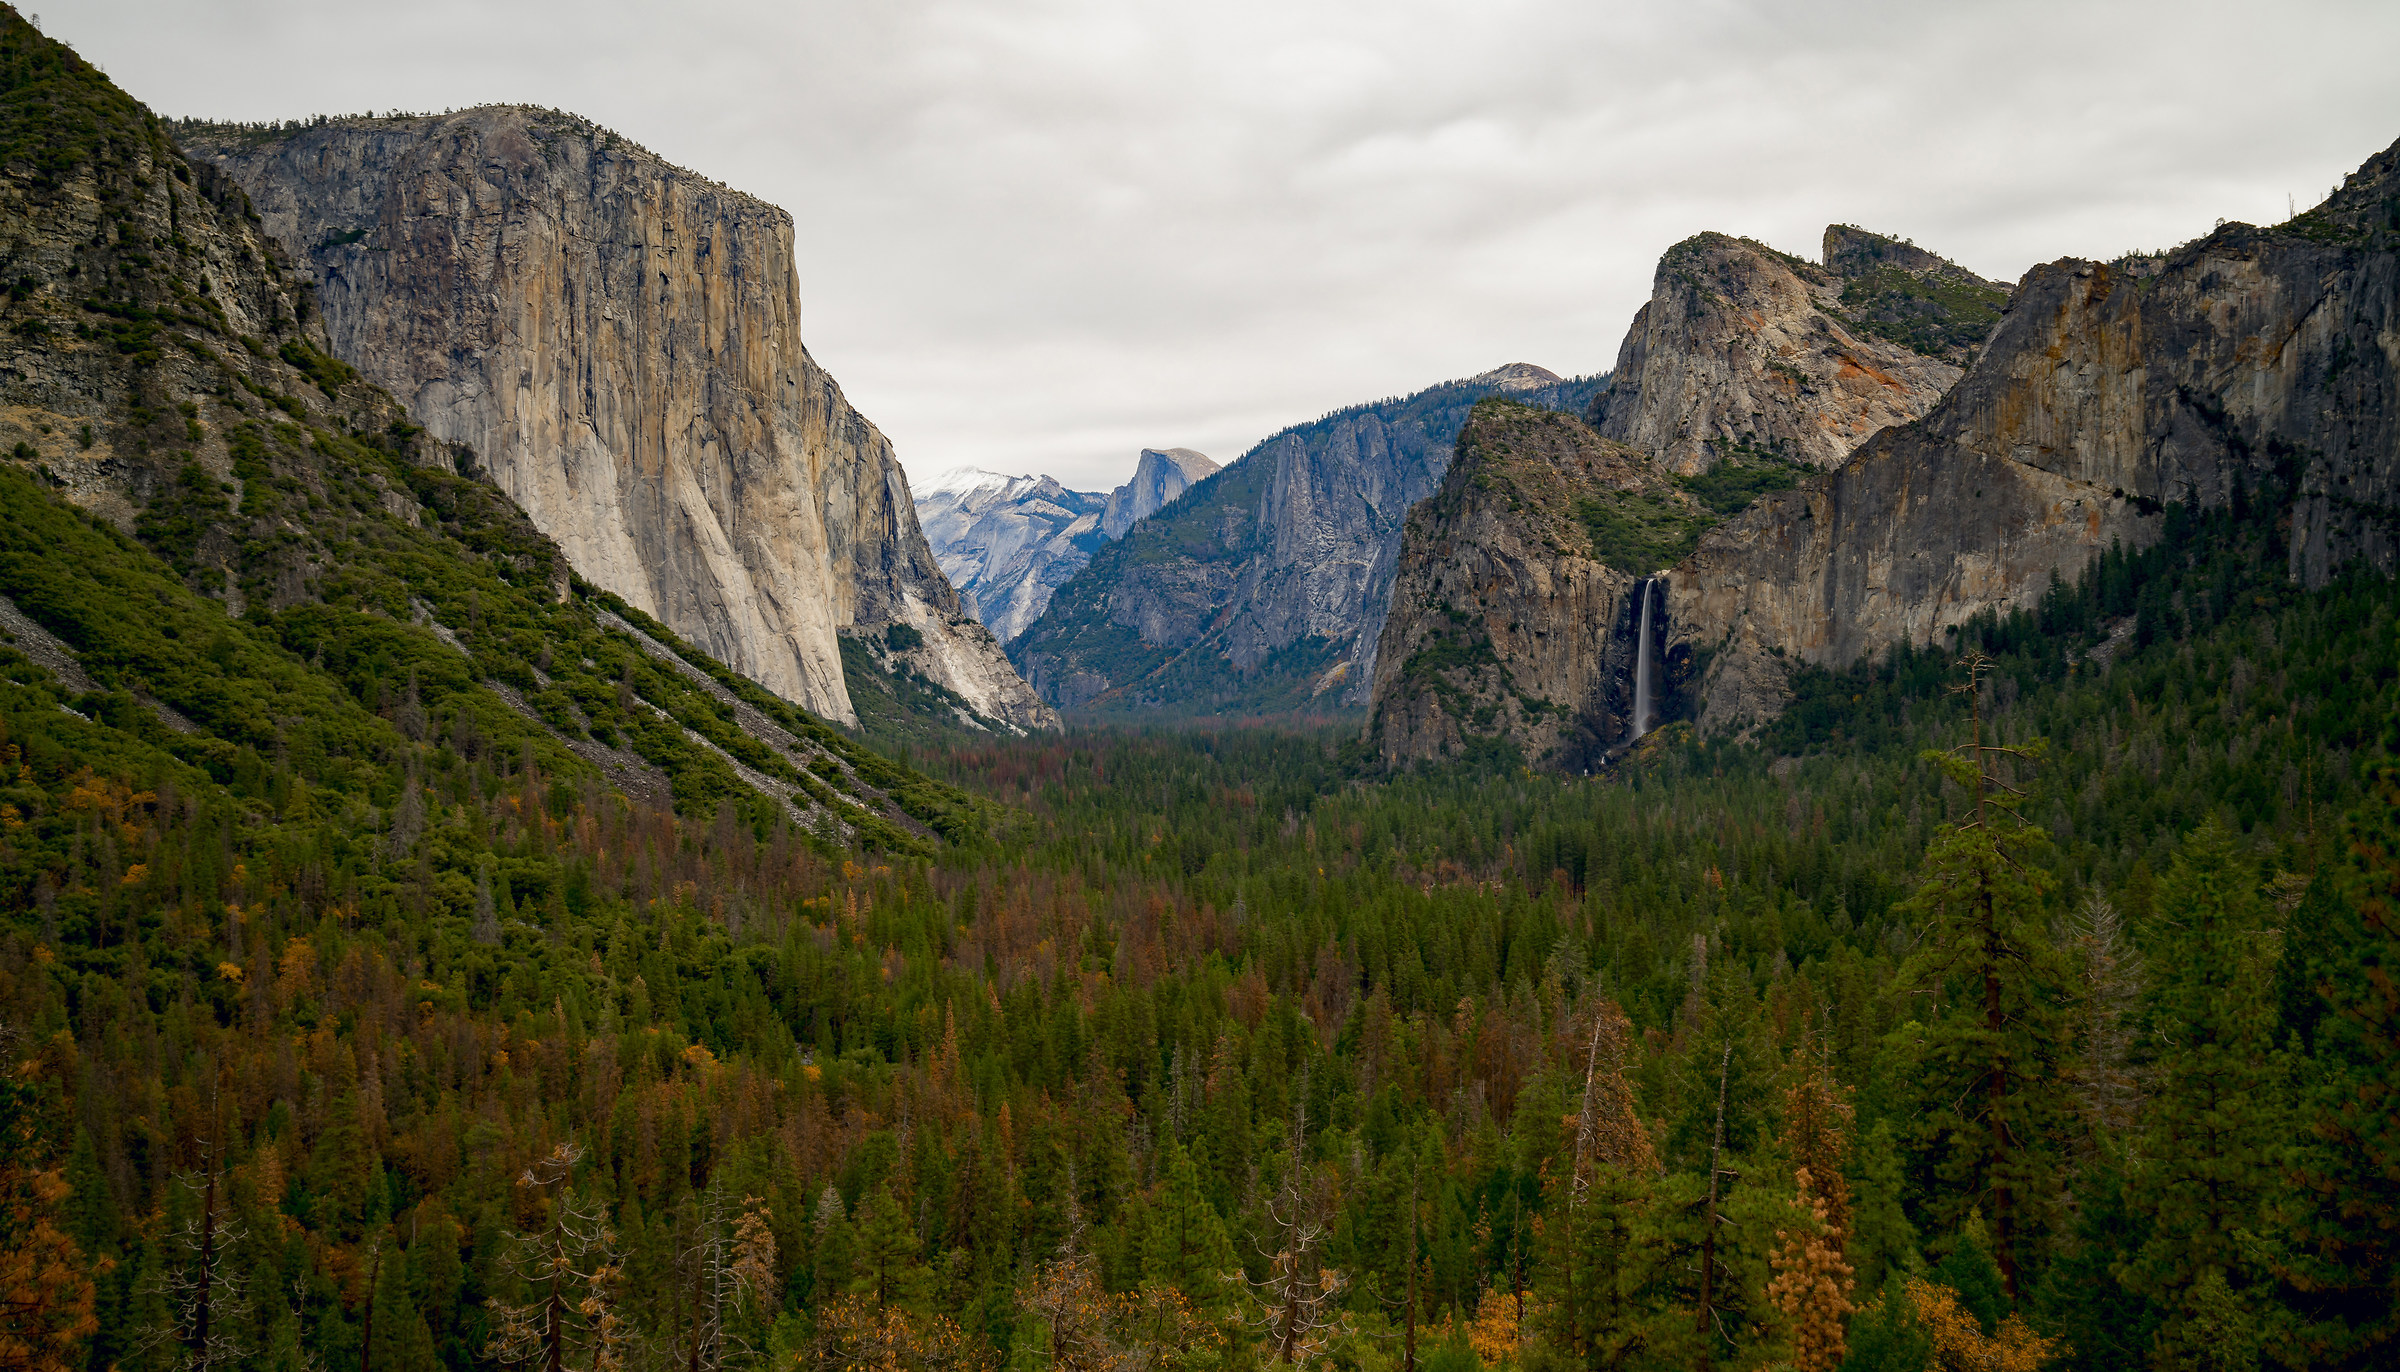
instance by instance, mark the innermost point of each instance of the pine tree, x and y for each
(436, 1276)
(1882, 1241)
(1185, 1245)
(2343, 1212)
(1595, 1305)
(91, 1209)
(2216, 1117)
(1989, 1079)
(46, 1288)
(402, 1341)
(834, 1259)
(571, 1271)
(1812, 1274)
(888, 1270)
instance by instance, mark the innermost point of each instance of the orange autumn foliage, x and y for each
(1959, 1343)
(1812, 1283)
(45, 1283)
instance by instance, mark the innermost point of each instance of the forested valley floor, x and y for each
(1859, 1045)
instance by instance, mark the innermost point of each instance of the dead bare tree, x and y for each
(728, 1267)
(1293, 1307)
(203, 1289)
(571, 1270)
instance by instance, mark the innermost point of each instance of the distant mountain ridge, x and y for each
(1008, 542)
(1263, 589)
(1159, 476)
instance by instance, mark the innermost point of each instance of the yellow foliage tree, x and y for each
(1959, 1343)
(45, 1284)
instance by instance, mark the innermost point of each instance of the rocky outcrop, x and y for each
(1901, 293)
(1742, 351)
(1505, 627)
(2253, 359)
(618, 341)
(1008, 542)
(1158, 478)
(1264, 588)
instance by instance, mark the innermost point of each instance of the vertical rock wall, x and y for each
(619, 342)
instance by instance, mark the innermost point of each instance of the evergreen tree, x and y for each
(2216, 1120)
(91, 1208)
(2344, 1209)
(402, 1341)
(436, 1276)
(1882, 1241)
(1598, 1306)
(1185, 1244)
(887, 1270)
(1987, 1077)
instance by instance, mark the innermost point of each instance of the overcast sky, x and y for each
(1041, 236)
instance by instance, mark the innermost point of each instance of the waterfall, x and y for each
(1641, 666)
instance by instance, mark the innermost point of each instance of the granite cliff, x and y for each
(1506, 621)
(1008, 542)
(221, 540)
(618, 341)
(1263, 588)
(1159, 477)
(2255, 363)
(2254, 360)
(1744, 351)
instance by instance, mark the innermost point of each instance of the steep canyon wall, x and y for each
(619, 342)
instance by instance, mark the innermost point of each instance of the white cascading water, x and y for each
(1641, 666)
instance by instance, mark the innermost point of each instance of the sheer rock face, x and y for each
(1502, 623)
(2251, 356)
(1158, 478)
(619, 342)
(1740, 350)
(1009, 542)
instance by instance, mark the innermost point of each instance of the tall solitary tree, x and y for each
(1989, 1062)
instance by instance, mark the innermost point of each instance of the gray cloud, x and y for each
(1040, 236)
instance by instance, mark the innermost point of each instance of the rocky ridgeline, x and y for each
(1160, 477)
(1743, 352)
(1505, 622)
(2094, 397)
(2253, 359)
(1009, 542)
(291, 568)
(1263, 589)
(619, 342)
